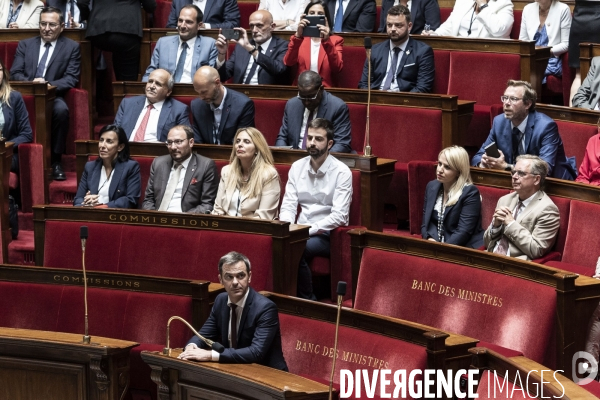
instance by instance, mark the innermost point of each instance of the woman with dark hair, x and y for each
(113, 179)
(322, 55)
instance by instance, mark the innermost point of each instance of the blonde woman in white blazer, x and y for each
(29, 16)
(478, 19)
(557, 19)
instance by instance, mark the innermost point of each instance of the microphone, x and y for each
(367, 145)
(341, 291)
(218, 347)
(83, 235)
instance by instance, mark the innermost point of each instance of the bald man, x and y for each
(258, 60)
(218, 111)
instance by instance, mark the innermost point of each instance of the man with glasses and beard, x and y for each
(523, 130)
(313, 101)
(181, 181)
(322, 186)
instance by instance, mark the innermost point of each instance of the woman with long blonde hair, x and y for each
(249, 185)
(452, 211)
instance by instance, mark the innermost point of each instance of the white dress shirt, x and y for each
(186, 76)
(304, 122)
(104, 186)
(239, 310)
(324, 195)
(514, 210)
(394, 84)
(175, 204)
(291, 9)
(43, 50)
(75, 12)
(151, 134)
(263, 50)
(315, 47)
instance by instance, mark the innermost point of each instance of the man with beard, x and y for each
(218, 112)
(400, 64)
(311, 102)
(185, 53)
(149, 118)
(322, 186)
(523, 130)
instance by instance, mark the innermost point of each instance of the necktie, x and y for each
(171, 186)
(233, 320)
(339, 17)
(310, 118)
(181, 62)
(141, 132)
(253, 68)
(72, 13)
(392, 72)
(503, 243)
(518, 143)
(39, 73)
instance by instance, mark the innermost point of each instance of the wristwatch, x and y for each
(253, 50)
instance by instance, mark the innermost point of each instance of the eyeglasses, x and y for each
(51, 25)
(309, 98)
(177, 142)
(520, 174)
(511, 99)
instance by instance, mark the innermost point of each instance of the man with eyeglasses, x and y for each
(526, 221)
(56, 60)
(313, 101)
(523, 130)
(181, 181)
(150, 117)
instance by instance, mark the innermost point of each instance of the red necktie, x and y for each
(141, 132)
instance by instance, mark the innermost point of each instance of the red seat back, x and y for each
(161, 14)
(564, 209)
(268, 117)
(246, 9)
(442, 71)
(358, 119)
(445, 13)
(353, 67)
(489, 202)
(11, 51)
(516, 28)
(581, 246)
(575, 137)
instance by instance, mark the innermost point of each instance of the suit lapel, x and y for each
(196, 55)
(532, 205)
(382, 66)
(405, 55)
(432, 195)
(348, 9)
(209, 5)
(161, 181)
(172, 55)
(138, 108)
(225, 113)
(243, 64)
(57, 49)
(225, 314)
(245, 312)
(95, 178)
(322, 107)
(188, 175)
(321, 56)
(529, 130)
(116, 178)
(162, 119)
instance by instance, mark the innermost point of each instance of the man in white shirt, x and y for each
(322, 186)
(526, 221)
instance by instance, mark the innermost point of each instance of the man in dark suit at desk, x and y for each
(423, 13)
(245, 322)
(313, 101)
(217, 13)
(258, 61)
(56, 60)
(400, 64)
(181, 181)
(353, 15)
(218, 112)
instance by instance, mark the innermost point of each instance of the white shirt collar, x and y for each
(191, 42)
(212, 106)
(157, 106)
(523, 125)
(402, 45)
(265, 45)
(242, 302)
(185, 162)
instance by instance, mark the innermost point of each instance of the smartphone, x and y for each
(311, 30)
(492, 150)
(230, 34)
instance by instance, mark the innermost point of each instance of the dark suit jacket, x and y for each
(415, 72)
(197, 197)
(238, 112)
(359, 15)
(259, 336)
(541, 139)
(272, 69)
(173, 113)
(119, 16)
(62, 6)
(125, 186)
(421, 12)
(462, 221)
(16, 120)
(217, 13)
(331, 108)
(63, 68)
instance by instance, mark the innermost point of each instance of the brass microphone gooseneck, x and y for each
(83, 234)
(341, 291)
(218, 347)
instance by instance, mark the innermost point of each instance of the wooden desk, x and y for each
(58, 366)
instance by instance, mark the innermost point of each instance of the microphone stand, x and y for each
(367, 149)
(341, 291)
(83, 233)
(218, 347)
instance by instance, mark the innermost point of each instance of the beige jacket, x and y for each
(29, 16)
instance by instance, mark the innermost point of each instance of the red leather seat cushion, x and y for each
(268, 117)
(354, 62)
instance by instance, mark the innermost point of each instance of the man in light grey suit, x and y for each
(588, 94)
(526, 221)
(181, 181)
(182, 55)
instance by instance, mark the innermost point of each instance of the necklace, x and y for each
(440, 226)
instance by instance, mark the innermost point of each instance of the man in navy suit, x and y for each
(355, 15)
(56, 60)
(245, 322)
(70, 11)
(149, 118)
(314, 102)
(522, 130)
(400, 64)
(169, 51)
(422, 13)
(217, 13)
(218, 112)
(256, 61)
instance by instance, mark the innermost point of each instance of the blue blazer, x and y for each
(359, 15)
(259, 336)
(124, 190)
(173, 113)
(421, 12)
(462, 221)
(165, 55)
(16, 120)
(541, 139)
(218, 13)
(332, 108)
(415, 73)
(238, 112)
(272, 69)
(63, 67)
